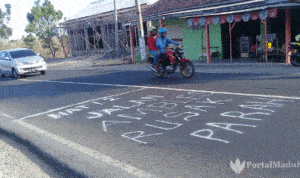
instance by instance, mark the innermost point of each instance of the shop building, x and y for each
(228, 29)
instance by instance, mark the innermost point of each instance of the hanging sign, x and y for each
(263, 14)
(246, 17)
(222, 19)
(237, 17)
(254, 15)
(190, 22)
(195, 21)
(230, 18)
(208, 20)
(272, 12)
(202, 21)
(215, 20)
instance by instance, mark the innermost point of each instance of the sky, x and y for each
(20, 8)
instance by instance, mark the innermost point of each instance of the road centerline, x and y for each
(170, 89)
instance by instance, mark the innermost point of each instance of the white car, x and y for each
(21, 61)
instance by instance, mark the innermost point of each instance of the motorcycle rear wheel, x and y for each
(295, 60)
(187, 69)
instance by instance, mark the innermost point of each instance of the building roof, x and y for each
(166, 6)
(189, 8)
(162, 6)
(103, 6)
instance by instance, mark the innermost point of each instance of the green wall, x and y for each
(192, 39)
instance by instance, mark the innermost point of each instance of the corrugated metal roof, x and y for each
(103, 6)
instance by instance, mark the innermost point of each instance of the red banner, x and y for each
(208, 20)
(272, 12)
(254, 15)
(223, 19)
(195, 21)
(237, 17)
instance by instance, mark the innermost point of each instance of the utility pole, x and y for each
(141, 31)
(116, 29)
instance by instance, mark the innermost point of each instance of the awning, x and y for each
(230, 18)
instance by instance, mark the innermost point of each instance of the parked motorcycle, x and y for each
(174, 58)
(295, 57)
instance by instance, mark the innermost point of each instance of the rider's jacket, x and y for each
(162, 43)
(152, 42)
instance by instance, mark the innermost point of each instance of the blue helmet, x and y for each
(161, 30)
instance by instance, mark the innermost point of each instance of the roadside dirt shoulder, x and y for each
(18, 162)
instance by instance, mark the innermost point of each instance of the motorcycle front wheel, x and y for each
(187, 69)
(295, 60)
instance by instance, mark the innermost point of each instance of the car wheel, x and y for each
(43, 72)
(15, 74)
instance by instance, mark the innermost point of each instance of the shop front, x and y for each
(233, 29)
(243, 35)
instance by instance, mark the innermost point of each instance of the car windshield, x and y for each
(21, 53)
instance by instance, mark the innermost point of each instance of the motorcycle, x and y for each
(168, 65)
(295, 50)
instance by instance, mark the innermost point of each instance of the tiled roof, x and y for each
(173, 5)
(102, 6)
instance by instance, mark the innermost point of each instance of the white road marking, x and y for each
(6, 115)
(57, 109)
(95, 154)
(171, 89)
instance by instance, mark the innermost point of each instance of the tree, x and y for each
(5, 31)
(43, 23)
(64, 41)
(30, 41)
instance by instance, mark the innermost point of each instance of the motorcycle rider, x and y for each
(162, 43)
(151, 40)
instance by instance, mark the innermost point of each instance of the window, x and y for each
(1, 55)
(22, 53)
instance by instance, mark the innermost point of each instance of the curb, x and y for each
(56, 166)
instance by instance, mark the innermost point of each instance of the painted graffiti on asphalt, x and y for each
(144, 117)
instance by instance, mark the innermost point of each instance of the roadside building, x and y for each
(92, 30)
(228, 29)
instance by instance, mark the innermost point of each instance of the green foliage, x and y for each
(5, 31)
(43, 23)
(30, 41)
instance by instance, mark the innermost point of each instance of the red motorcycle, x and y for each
(174, 58)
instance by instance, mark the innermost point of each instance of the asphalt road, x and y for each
(229, 120)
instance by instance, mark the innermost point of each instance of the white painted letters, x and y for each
(95, 115)
(190, 114)
(58, 115)
(208, 135)
(241, 115)
(164, 105)
(104, 125)
(137, 135)
(227, 126)
(165, 122)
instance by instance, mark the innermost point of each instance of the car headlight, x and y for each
(19, 63)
